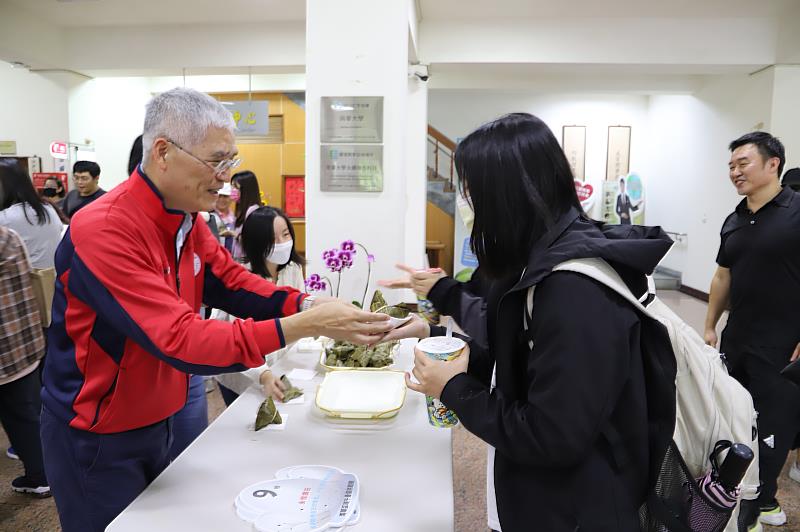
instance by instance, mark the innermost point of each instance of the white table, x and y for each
(404, 464)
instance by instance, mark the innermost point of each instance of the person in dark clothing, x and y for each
(625, 205)
(791, 179)
(546, 388)
(87, 189)
(758, 279)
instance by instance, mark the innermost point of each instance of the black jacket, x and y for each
(565, 387)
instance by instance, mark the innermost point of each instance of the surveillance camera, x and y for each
(418, 71)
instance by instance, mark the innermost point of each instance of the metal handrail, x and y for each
(446, 147)
(678, 237)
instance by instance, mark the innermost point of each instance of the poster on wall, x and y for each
(352, 119)
(251, 117)
(294, 196)
(351, 168)
(573, 141)
(619, 151)
(585, 193)
(609, 206)
(623, 200)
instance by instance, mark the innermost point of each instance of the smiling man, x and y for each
(758, 279)
(86, 175)
(132, 272)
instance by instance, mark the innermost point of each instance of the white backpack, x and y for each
(710, 404)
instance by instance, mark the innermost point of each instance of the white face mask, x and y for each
(281, 253)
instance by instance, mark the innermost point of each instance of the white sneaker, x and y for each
(794, 473)
(774, 516)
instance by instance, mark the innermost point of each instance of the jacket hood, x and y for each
(639, 248)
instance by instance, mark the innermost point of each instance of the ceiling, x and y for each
(480, 9)
(79, 13)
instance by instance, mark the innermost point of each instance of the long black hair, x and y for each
(17, 187)
(518, 181)
(135, 156)
(249, 194)
(258, 239)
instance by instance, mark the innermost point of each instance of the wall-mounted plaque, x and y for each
(619, 152)
(573, 140)
(351, 168)
(352, 119)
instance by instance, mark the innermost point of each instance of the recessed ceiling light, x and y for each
(19, 64)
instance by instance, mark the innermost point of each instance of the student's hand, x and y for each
(416, 327)
(710, 337)
(796, 353)
(272, 385)
(433, 375)
(344, 321)
(420, 281)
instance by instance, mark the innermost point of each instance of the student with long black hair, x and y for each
(268, 240)
(34, 220)
(248, 196)
(552, 382)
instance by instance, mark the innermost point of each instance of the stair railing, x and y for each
(443, 150)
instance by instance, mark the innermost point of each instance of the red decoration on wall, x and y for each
(294, 196)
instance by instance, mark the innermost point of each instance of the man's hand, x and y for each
(344, 321)
(416, 327)
(272, 385)
(796, 353)
(710, 338)
(420, 281)
(433, 375)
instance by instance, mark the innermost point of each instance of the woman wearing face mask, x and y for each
(268, 244)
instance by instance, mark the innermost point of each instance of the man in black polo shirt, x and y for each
(758, 278)
(86, 175)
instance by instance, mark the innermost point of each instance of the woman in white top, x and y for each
(268, 246)
(21, 209)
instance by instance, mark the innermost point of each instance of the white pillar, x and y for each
(361, 48)
(786, 111)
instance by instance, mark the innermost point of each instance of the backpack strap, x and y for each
(602, 272)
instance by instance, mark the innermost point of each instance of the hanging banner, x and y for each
(619, 152)
(251, 117)
(573, 141)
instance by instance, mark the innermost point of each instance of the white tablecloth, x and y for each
(404, 464)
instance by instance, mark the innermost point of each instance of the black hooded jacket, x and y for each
(565, 385)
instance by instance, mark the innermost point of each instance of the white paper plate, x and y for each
(361, 394)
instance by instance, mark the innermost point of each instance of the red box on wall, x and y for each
(294, 196)
(40, 177)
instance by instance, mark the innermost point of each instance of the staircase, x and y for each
(441, 171)
(441, 196)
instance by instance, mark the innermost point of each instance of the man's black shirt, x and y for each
(762, 251)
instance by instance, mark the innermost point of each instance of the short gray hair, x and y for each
(184, 116)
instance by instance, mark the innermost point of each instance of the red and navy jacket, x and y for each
(126, 332)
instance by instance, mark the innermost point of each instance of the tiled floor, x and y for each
(22, 514)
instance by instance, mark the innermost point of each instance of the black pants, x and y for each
(777, 401)
(94, 477)
(20, 405)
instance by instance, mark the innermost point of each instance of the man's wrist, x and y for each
(307, 303)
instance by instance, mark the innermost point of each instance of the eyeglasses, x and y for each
(219, 169)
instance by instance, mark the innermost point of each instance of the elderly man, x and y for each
(133, 270)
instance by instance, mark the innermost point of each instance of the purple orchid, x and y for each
(334, 264)
(348, 245)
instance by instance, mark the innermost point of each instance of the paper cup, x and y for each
(444, 348)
